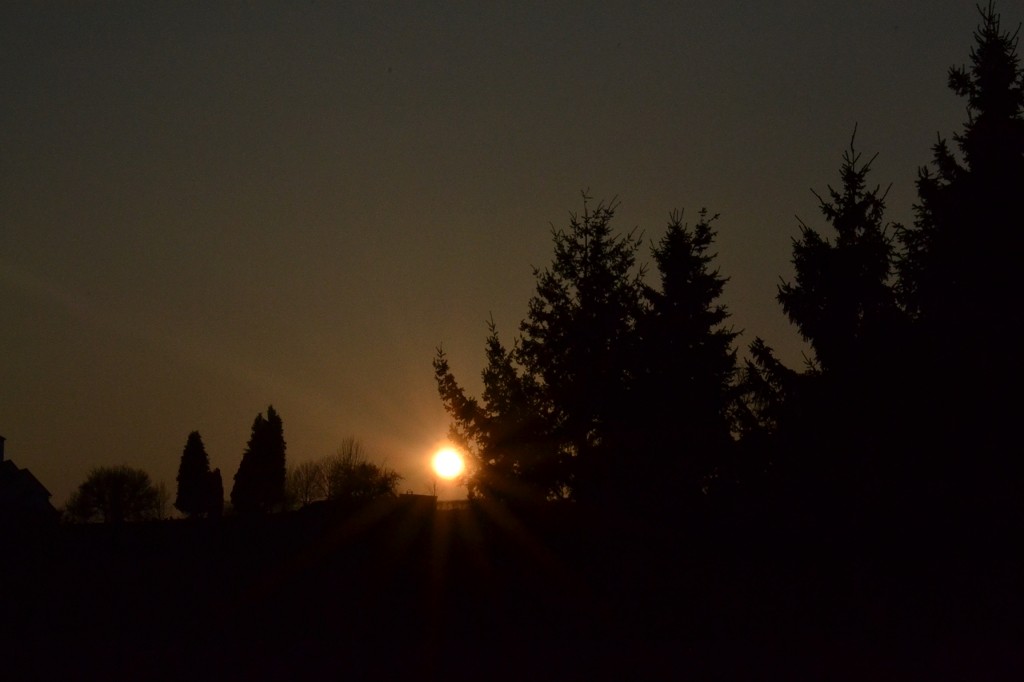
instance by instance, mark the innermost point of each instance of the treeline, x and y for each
(618, 392)
(262, 484)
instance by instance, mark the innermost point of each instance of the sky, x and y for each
(208, 208)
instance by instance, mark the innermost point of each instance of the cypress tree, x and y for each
(260, 479)
(214, 494)
(192, 497)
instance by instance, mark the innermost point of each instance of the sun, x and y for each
(448, 463)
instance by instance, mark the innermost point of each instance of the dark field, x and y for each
(488, 593)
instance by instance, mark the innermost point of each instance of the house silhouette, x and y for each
(23, 499)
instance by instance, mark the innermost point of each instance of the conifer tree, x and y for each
(614, 389)
(764, 413)
(523, 461)
(842, 300)
(843, 409)
(214, 494)
(959, 280)
(961, 257)
(577, 344)
(260, 480)
(510, 457)
(553, 422)
(193, 472)
(686, 365)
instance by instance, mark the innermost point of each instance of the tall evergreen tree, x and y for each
(554, 420)
(959, 281)
(577, 343)
(842, 300)
(961, 254)
(260, 480)
(614, 389)
(193, 483)
(510, 456)
(764, 393)
(766, 409)
(686, 365)
(524, 464)
(843, 409)
(214, 494)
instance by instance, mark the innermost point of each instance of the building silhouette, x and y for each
(23, 499)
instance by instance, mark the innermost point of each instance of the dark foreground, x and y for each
(398, 590)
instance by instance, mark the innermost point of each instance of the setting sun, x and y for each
(448, 463)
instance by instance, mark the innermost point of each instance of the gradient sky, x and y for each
(207, 208)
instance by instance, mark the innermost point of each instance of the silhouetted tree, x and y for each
(765, 411)
(764, 385)
(511, 457)
(523, 462)
(260, 479)
(614, 389)
(193, 483)
(577, 345)
(349, 475)
(214, 494)
(846, 405)
(467, 425)
(842, 300)
(306, 483)
(114, 495)
(960, 253)
(825, 435)
(685, 367)
(553, 420)
(959, 280)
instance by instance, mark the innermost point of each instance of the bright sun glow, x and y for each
(448, 463)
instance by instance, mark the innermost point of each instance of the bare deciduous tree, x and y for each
(346, 475)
